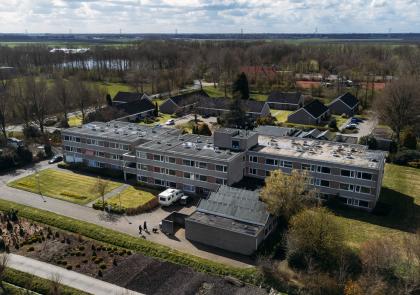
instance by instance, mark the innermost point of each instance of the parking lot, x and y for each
(363, 128)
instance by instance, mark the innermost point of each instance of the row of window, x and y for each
(191, 163)
(187, 175)
(314, 168)
(355, 188)
(111, 145)
(71, 138)
(161, 182)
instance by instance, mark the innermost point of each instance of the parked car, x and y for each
(356, 120)
(169, 196)
(170, 122)
(185, 200)
(55, 159)
(14, 142)
(351, 126)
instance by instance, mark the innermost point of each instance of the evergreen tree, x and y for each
(241, 87)
(109, 100)
(236, 117)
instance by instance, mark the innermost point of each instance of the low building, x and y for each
(230, 219)
(182, 102)
(313, 113)
(137, 109)
(275, 131)
(216, 107)
(344, 104)
(125, 97)
(285, 100)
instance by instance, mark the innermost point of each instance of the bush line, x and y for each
(96, 232)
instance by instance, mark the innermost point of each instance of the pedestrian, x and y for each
(140, 229)
(145, 226)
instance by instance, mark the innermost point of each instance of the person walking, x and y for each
(145, 226)
(140, 229)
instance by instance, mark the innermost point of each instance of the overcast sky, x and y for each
(209, 16)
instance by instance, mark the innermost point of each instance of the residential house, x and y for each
(125, 97)
(182, 102)
(230, 219)
(285, 100)
(344, 104)
(137, 109)
(313, 113)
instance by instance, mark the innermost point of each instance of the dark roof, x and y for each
(221, 103)
(188, 98)
(349, 99)
(316, 108)
(137, 106)
(237, 204)
(127, 96)
(274, 130)
(284, 97)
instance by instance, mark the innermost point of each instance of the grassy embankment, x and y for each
(61, 185)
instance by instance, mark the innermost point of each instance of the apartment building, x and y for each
(163, 157)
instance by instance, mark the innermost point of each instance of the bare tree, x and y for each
(40, 100)
(100, 188)
(286, 195)
(62, 93)
(399, 105)
(55, 285)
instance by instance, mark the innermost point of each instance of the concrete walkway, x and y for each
(66, 277)
(110, 194)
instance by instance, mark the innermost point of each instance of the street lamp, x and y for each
(37, 175)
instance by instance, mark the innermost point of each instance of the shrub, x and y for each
(24, 154)
(69, 267)
(333, 124)
(266, 120)
(409, 139)
(31, 132)
(100, 273)
(102, 266)
(370, 141)
(403, 157)
(84, 261)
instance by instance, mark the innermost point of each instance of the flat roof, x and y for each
(225, 223)
(237, 133)
(121, 131)
(321, 150)
(190, 145)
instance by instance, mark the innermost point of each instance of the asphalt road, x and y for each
(66, 277)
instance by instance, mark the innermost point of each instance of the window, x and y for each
(142, 167)
(221, 168)
(286, 164)
(347, 173)
(141, 155)
(271, 162)
(171, 160)
(158, 170)
(253, 171)
(158, 158)
(221, 181)
(67, 138)
(91, 141)
(101, 143)
(253, 159)
(112, 145)
(267, 173)
(347, 187)
(325, 183)
(235, 144)
(170, 172)
(188, 163)
(159, 182)
(77, 139)
(100, 154)
(364, 175)
(187, 175)
(201, 165)
(201, 177)
(362, 189)
(142, 178)
(323, 169)
(125, 147)
(116, 157)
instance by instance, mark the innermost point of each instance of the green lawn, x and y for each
(258, 96)
(61, 185)
(75, 121)
(132, 197)
(400, 195)
(281, 115)
(340, 120)
(216, 92)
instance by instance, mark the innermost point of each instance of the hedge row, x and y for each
(104, 172)
(115, 238)
(34, 283)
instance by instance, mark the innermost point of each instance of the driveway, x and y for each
(187, 118)
(124, 224)
(66, 277)
(364, 128)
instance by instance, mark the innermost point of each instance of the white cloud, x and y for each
(209, 16)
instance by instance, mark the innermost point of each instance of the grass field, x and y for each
(216, 92)
(340, 120)
(61, 185)
(281, 115)
(132, 198)
(400, 195)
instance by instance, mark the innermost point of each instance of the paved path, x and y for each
(110, 194)
(66, 277)
(124, 224)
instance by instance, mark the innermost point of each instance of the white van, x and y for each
(169, 196)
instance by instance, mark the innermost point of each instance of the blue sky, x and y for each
(209, 16)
